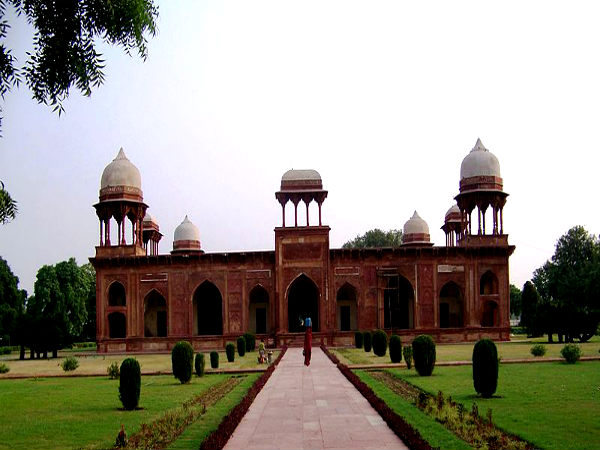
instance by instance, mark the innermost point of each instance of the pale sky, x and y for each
(384, 99)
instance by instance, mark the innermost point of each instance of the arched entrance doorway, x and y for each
(208, 310)
(346, 308)
(303, 301)
(155, 315)
(451, 306)
(398, 303)
(259, 310)
(117, 325)
(490, 317)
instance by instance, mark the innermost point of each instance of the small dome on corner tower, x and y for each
(186, 237)
(301, 180)
(416, 231)
(121, 172)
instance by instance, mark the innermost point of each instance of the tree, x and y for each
(515, 301)
(529, 300)
(12, 303)
(8, 207)
(376, 238)
(88, 274)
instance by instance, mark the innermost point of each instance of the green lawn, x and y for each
(552, 405)
(64, 413)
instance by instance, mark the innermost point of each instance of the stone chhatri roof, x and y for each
(479, 162)
(121, 172)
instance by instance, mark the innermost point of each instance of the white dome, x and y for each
(453, 213)
(186, 231)
(149, 218)
(479, 162)
(415, 225)
(297, 175)
(121, 172)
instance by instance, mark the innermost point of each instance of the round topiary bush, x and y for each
(380, 343)
(130, 380)
(199, 364)
(395, 348)
(571, 353)
(423, 348)
(358, 339)
(250, 342)
(485, 367)
(367, 341)
(182, 360)
(70, 363)
(407, 352)
(538, 350)
(214, 360)
(230, 351)
(241, 346)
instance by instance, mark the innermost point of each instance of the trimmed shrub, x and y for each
(485, 367)
(199, 364)
(423, 348)
(70, 363)
(241, 346)
(130, 381)
(182, 359)
(358, 339)
(538, 350)
(395, 348)
(367, 341)
(380, 343)
(571, 353)
(5, 350)
(4, 368)
(214, 360)
(250, 342)
(407, 352)
(230, 351)
(113, 370)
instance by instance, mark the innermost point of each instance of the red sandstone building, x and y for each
(147, 301)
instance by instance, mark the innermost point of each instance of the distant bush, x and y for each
(199, 364)
(367, 341)
(485, 367)
(5, 350)
(241, 346)
(214, 360)
(130, 381)
(113, 370)
(250, 342)
(4, 368)
(408, 357)
(182, 359)
(230, 351)
(423, 348)
(538, 350)
(518, 330)
(380, 343)
(70, 363)
(358, 339)
(395, 348)
(571, 353)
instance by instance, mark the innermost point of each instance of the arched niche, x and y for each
(347, 316)
(258, 314)
(117, 325)
(303, 301)
(488, 284)
(116, 294)
(451, 306)
(155, 315)
(208, 310)
(398, 303)
(490, 315)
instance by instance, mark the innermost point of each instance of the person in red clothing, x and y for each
(307, 341)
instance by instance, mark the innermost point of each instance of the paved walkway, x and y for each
(312, 407)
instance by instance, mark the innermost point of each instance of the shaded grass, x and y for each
(553, 405)
(65, 413)
(432, 431)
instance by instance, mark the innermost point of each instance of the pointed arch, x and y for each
(208, 310)
(451, 306)
(398, 303)
(303, 301)
(155, 315)
(116, 294)
(347, 309)
(490, 314)
(258, 306)
(117, 325)
(488, 284)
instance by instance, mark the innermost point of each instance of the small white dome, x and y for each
(121, 172)
(149, 218)
(416, 225)
(298, 175)
(186, 231)
(479, 162)
(453, 213)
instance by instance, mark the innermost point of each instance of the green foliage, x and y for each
(485, 367)
(530, 304)
(182, 358)
(4, 368)
(199, 364)
(376, 238)
(367, 341)
(408, 356)
(395, 348)
(423, 348)
(12, 301)
(241, 346)
(69, 364)
(214, 360)
(380, 343)
(250, 342)
(571, 353)
(130, 381)
(8, 206)
(538, 350)
(358, 339)
(515, 300)
(5, 350)
(113, 370)
(230, 351)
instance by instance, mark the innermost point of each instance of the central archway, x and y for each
(208, 310)
(398, 303)
(303, 301)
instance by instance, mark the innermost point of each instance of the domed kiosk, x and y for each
(301, 185)
(416, 232)
(186, 238)
(453, 226)
(151, 234)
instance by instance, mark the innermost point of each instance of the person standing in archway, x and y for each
(307, 340)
